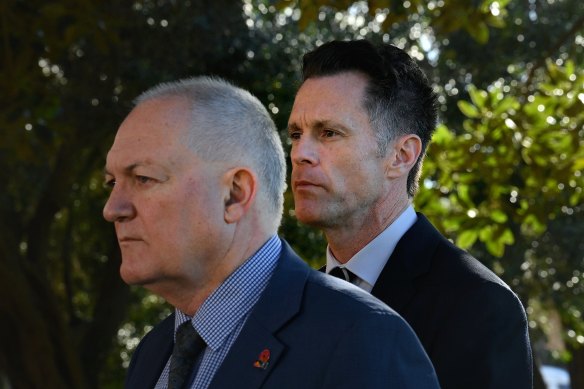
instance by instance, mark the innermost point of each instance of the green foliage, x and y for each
(518, 162)
(445, 17)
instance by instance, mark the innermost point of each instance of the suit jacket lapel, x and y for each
(411, 258)
(244, 366)
(280, 301)
(153, 356)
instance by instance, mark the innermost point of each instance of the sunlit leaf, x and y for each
(498, 216)
(505, 105)
(496, 21)
(578, 164)
(477, 96)
(479, 31)
(467, 238)
(468, 109)
(496, 248)
(442, 135)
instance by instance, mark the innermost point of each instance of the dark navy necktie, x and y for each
(187, 348)
(343, 273)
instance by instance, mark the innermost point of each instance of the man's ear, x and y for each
(241, 188)
(402, 155)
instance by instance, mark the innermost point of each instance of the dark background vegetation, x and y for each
(503, 177)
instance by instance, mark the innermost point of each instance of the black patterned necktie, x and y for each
(187, 348)
(343, 273)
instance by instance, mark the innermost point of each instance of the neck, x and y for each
(190, 292)
(348, 239)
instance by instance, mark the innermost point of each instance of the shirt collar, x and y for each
(368, 263)
(224, 309)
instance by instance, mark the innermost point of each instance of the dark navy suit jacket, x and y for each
(471, 324)
(321, 332)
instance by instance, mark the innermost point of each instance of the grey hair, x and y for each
(229, 124)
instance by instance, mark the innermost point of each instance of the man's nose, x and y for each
(304, 151)
(118, 207)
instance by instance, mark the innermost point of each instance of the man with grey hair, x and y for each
(197, 175)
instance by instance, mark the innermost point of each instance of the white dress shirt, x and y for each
(368, 263)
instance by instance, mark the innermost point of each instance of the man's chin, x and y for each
(310, 219)
(131, 277)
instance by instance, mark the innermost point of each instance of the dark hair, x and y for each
(399, 99)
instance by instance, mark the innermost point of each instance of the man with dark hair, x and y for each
(360, 125)
(197, 176)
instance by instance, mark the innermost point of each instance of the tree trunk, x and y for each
(37, 349)
(109, 313)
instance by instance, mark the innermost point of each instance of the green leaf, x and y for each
(467, 238)
(570, 68)
(486, 234)
(464, 195)
(533, 224)
(479, 31)
(576, 199)
(442, 135)
(497, 248)
(468, 109)
(498, 216)
(505, 105)
(507, 237)
(578, 164)
(496, 21)
(478, 96)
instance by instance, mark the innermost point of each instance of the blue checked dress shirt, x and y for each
(223, 314)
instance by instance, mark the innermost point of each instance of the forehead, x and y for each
(155, 129)
(347, 88)
(334, 99)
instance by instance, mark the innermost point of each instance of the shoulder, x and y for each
(367, 338)
(441, 271)
(157, 337)
(351, 338)
(458, 267)
(344, 299)
(451, 263)
(346, 311)
(460, 278)
(163, 328)
(151, 355)
(294, 279)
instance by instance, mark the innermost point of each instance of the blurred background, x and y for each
(503, 177)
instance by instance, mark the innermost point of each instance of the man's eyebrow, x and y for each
(130, 168)
(318, 124)
(293, 127)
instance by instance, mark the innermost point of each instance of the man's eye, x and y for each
(329, 133)
(109, 183)
(294, 135)
(144, 179)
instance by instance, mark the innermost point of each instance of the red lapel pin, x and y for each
(263, 360)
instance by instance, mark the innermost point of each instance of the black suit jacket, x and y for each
(321, 332)
(473, 327)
